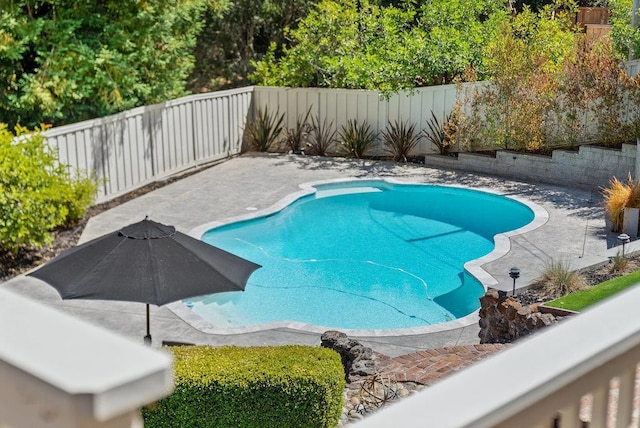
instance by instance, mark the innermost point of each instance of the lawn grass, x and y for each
(581, 299)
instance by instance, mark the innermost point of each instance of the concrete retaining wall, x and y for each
(589, 167)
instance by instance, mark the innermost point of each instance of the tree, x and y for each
(455, 35)
(63, 61)
(366, 45)
(551, 87)
(237, 33)
(626, 38)
(525, 63)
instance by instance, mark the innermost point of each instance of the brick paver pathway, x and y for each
(429, 366)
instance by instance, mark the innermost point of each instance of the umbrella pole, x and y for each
(147, 338)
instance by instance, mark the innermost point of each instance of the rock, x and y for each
(504, 319)
(358, 360)
(524, 311)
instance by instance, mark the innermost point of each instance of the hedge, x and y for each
(283, 386)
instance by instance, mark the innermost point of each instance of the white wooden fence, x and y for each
(135, 147)
(340, 105)
(632, 67)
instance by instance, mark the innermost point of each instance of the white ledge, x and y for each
(54, 364)
(532, 379)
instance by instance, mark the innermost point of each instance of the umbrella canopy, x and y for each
(145, 262)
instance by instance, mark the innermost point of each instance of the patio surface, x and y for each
(575, 232)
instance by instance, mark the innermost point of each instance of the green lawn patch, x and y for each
(580, 300)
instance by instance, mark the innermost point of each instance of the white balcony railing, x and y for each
(582, 369)
(57, 371)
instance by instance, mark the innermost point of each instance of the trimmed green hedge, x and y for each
(275, 386)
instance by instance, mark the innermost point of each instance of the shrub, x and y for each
(552, 87)
(264, 131)
(619, 263)
(356, 139)
(37, 193)
(440, 133)
(618, 196)
(615, 199)
(323, 136)
(514, 111)
(558, 279)
(399, 140)
(283, 386)
(595, 82)
(295, 137)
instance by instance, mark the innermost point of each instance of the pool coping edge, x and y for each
(473, 267)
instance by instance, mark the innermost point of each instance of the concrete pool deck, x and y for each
(574, 232)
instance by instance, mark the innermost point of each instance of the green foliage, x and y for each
(581, 300)
(356, 138)
(524, 62)
(265, 130)
(323, 136)
(551, 87)
(440, 132)
(455, 33)
(284, 386)
(64, 61)
(399, 140)
(364, 45)
(296, 137)
(80, 197)
(239, 32)
(37, 194)
(625, 38)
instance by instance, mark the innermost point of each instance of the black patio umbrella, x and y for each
(145, 262)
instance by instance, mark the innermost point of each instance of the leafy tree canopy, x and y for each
(369, 45)
(238, 32)
(63, 61)
(626, 39)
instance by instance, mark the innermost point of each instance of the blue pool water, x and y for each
(363, 256)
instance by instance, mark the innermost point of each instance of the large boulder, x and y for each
(504, 319)
(358, 360)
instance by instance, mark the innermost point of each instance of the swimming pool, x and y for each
(363, 255)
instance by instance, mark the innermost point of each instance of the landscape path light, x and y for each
(514, 273)
(625, 239)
